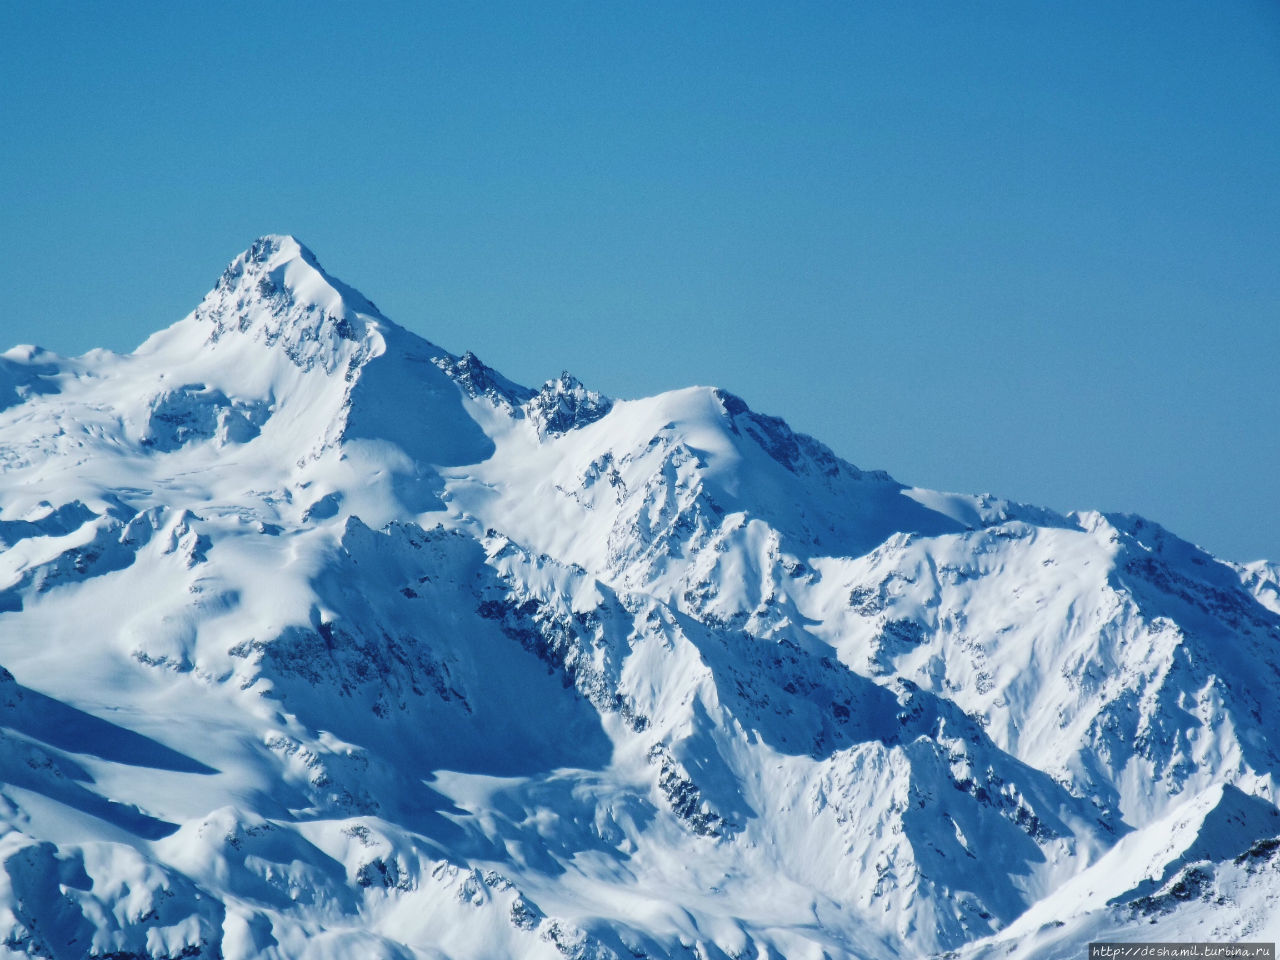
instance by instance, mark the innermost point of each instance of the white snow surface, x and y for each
(322, 642)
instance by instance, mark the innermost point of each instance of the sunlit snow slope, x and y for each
(323, 642)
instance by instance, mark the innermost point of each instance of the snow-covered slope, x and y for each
(320, 641)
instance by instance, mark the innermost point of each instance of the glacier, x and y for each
(319, 641)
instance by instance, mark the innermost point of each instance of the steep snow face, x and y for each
(324, 642)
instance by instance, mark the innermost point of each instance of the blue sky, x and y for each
(1021, 248)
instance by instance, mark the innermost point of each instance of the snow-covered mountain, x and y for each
(320, 641)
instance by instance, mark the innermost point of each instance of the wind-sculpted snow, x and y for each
(194, 413)
(1262, 579)
(322, 642)
(24, 373)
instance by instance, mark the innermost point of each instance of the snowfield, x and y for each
(322, 642)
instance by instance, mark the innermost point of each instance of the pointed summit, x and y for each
(277, 292)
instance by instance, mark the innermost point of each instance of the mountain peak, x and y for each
(276, 291)
(281, 263)
(273, 245)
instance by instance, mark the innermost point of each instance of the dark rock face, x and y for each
(564, 404)
(480, 380)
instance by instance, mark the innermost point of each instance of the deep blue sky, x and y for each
(1030, 248)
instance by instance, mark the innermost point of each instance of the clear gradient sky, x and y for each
(1027, 248)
